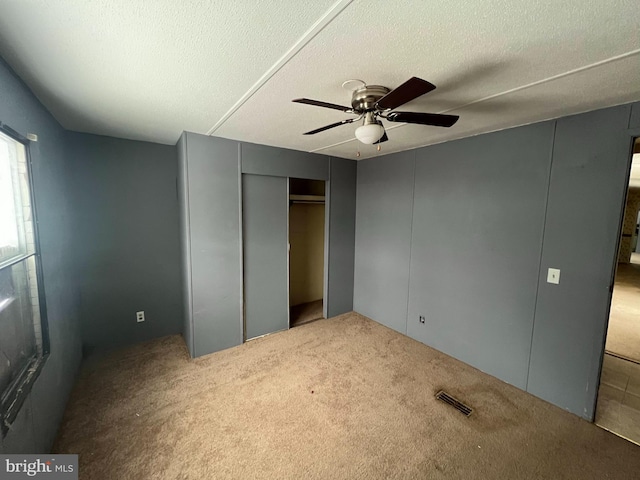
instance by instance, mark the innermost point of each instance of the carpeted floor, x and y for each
(305, 313)
(344, 398)
(623, 334)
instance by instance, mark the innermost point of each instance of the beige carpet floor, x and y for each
(623, 334)
(344, 398)
(305, 313)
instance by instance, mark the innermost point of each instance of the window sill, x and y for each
(16, 394)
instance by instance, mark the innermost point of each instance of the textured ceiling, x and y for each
(149, 70)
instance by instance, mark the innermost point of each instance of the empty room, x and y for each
(341, 239)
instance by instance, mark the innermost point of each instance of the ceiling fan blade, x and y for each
(327, 127)
(434, 119)
(318, 103)
(412, 88)
(383, 139)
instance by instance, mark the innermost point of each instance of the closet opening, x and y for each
(306, 250)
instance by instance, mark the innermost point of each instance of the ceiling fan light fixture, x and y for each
(370, 133)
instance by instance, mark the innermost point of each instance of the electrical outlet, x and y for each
(422, 319)
(140, 316)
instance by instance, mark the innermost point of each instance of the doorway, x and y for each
(306, 250)
(618, 406)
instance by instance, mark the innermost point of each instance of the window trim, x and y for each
(13, 397)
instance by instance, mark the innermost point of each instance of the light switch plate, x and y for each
(553, 276)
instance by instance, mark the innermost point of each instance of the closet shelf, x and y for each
(306, 198)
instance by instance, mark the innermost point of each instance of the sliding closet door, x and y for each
(265, 204)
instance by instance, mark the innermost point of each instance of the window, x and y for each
(24, 341)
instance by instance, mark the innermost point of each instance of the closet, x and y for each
(306, 250)
(241, 204)
(283, 246)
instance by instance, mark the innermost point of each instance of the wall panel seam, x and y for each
(544, 228)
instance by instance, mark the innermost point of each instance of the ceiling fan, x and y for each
(371, 102)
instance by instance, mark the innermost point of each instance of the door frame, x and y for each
(325, 260)
(634, 133)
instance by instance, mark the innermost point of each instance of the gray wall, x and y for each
(37, 423)
(591, 156)
(478, 218)
(127, 239)
(281, 162)
(634, 121)
(340, 219)
(489, 215)
(384, 216)
(210, 208)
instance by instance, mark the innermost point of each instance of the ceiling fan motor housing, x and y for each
(365, 98)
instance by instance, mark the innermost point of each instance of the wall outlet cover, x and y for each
(553, 276)
(140, 316)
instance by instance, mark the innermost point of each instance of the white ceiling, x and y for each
(148, 70)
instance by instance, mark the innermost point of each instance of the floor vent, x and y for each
(455, 403)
